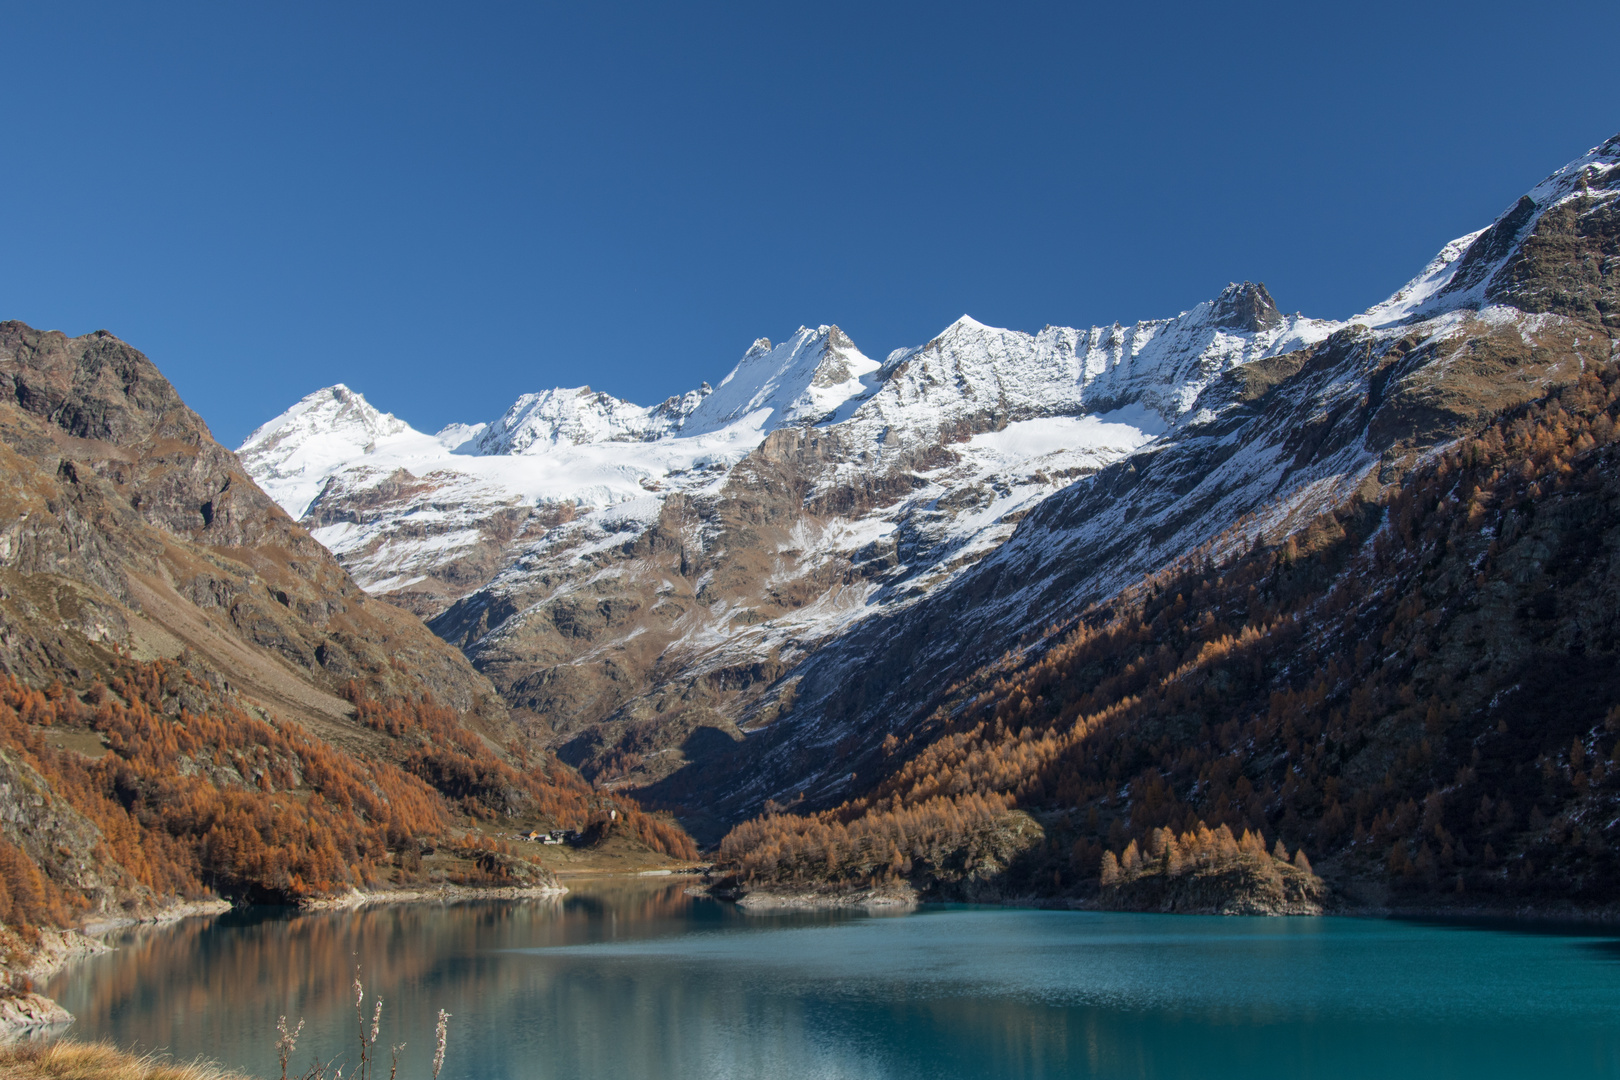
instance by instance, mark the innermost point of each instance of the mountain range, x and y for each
(640, 582)
(735, 594)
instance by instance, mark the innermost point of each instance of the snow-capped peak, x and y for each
(803, 380)
(1461, 275)
(574, 415)
(334, 408)
(291, 455)
(1160, 365)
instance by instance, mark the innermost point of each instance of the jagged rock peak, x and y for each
(1246, 307)
(672, 412)
(92, 387)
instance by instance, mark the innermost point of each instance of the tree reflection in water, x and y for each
(636, 979)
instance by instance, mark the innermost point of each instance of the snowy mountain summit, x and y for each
(803, 380)
(293, 454)
(990, 395)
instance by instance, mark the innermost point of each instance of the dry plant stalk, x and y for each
(439, 1033)
(286, 1042)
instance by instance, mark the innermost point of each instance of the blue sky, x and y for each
(447, 205)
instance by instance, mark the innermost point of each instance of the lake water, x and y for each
(632, 980)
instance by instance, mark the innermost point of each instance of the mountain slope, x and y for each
(1263, 450)
(130, 527)
(635, 584)
(197, 700)
(1420, 689)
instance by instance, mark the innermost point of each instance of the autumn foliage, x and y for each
(1197, 849)
(194, 797)
(1423, 688)
(188, 804)
(28, 899)
(457, 764)
(877, 846)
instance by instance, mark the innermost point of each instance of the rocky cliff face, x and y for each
(127, 527)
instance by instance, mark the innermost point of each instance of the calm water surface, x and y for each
(634, 980)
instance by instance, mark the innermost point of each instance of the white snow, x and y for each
(1065, 403)
(458, 436)
(1049, 434)
(1419, 293)
(538, 422)
(804, 379)
(292, 455)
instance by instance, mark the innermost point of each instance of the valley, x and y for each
(1235, 611)
(793, 629)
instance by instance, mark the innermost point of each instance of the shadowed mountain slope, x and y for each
(1499, 319)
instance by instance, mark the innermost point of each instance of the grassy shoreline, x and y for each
(66, 1059)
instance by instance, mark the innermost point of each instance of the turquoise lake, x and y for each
(637, 980)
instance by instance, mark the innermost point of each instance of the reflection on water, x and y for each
(630, 979)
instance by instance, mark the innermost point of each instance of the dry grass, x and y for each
(100, 1061)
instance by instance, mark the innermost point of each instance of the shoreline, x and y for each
(886, 899)
(184, 909)
(907, 898)
(30, 1010)
(428, 894)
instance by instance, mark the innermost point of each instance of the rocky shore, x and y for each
(23, 1011)
(430, 894)
(898, 898)
(1188, 897)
